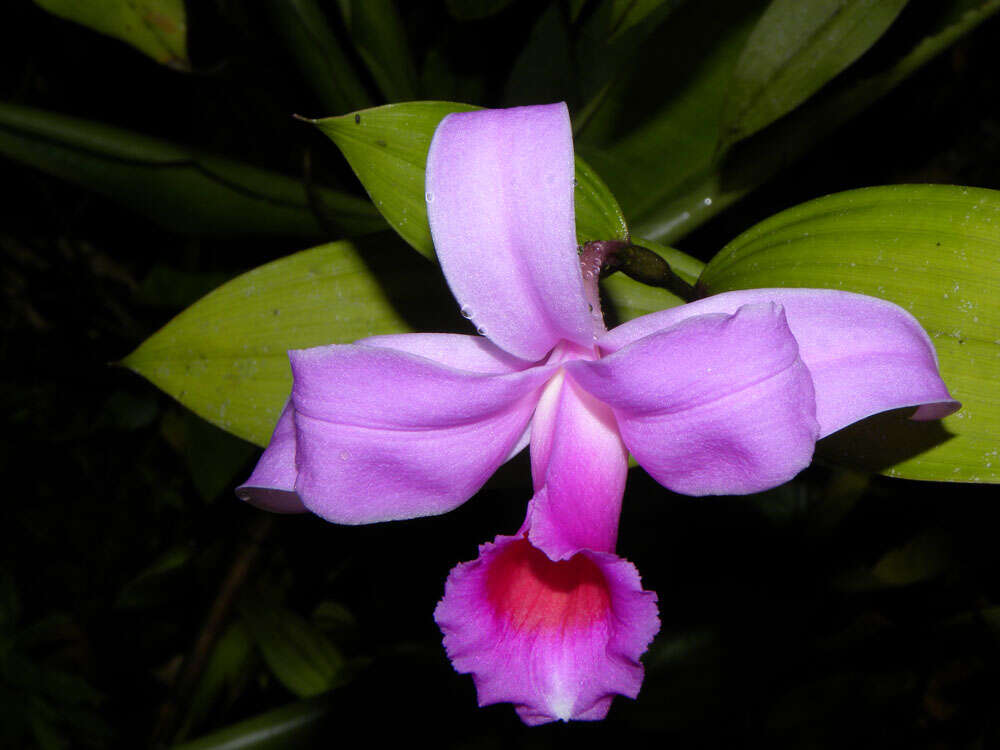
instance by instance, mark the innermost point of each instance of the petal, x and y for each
(579, 465)
(717, 404)
(556, 639)
(469, 353)
(384, 434)
(865, 355)
(272, 484)
(500, 205)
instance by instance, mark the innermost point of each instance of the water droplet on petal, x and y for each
(429, 197)
(466, 312)
(481, 331)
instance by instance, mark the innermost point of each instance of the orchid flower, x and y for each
(726, 395)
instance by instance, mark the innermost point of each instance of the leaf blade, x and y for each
(225, 356)
(935, 251)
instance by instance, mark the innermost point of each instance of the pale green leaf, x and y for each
(935, 251)
(387, 148)
(157, 28)
(179, 188)
(793, 51)
(225, 356)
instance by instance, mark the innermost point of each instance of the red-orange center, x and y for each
(531, 592)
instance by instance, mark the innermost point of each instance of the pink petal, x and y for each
(717, 404)
(500, 205)
(579, 465)
(272, 484)
(384, 434)
(469, 353)
(865, 355)
(556, 639)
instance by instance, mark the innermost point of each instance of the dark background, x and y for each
(775, 626)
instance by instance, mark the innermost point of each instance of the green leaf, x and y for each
(387, 149)
(935, 251)
(793, 51)
(298, 654)
(474, 10)
(628, 13)
(308, 38)
(228, 665)
(225, 356)
(297, 725)
(157, 28)
(180, 189)
(663, 172)
(378, 35)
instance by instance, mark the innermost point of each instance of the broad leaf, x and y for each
(387, 148)
(324, 65)
(180, 189)
(157, 28)
(935, 251)
(794, 50)
(225, 356)
(377, 33)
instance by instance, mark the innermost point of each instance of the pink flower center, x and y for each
(532, 593)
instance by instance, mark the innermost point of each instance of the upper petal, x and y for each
(556, 639)
(500, 205)
(272, 484)
(385, 434)
(717, 404)
(865, 355)
(579, 465)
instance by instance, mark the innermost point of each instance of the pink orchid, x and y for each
(726, 395)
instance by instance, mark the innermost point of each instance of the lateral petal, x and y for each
(865, 355)
(556, 639)
(271, 486)
(500, 204)
(579, 465)
(717, 404)
(385, 434)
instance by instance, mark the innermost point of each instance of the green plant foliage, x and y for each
(298, 725)
(227, 669)
(793, 51)
(380, 39)
(387, 148)
(935, 251)
(225, 356)
(297, 653)
(157, 28)
(628, 13)
(180, 189)
(308, 38)
(665, 172)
